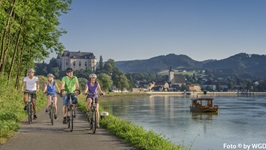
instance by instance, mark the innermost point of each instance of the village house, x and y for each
(195, 88)
(77, 60)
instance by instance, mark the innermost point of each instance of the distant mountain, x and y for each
(158, 63)
(251, 65)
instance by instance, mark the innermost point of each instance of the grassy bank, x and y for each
(11, 112)
(137, 136)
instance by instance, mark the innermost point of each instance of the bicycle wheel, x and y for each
(94, 122)
(71, 120)
(29, 113)
(52, 114)
(68, 116)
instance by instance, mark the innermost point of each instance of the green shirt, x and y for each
(70, 83)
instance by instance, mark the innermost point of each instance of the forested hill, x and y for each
(242, 63)
(158, 63)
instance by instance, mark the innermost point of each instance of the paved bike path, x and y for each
(42, 135)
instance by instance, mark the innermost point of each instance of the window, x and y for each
(79, 63)
(66, 63)
(85, 63)
(74, 63)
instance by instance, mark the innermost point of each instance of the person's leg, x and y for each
(33, 98)
(97, 115)
(97, 112)
(48, 102)
(89, 100)
(55, 105)
(65, 101)
(74, 102)
(25, 98)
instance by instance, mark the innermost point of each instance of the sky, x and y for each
(142, 29)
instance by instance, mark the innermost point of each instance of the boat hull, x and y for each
(204, 109)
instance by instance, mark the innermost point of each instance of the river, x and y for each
(241, 120)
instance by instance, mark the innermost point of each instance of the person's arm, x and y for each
(57, 88)
(23, 84)
(62, 86)
(77, 84)
(37, 86)
(86, 89)
(99, 88)
(45, 87)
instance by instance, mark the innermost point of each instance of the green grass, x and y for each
(11, 112)
(137, 136)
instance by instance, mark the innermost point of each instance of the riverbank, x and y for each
(195, 94)
(133, 134)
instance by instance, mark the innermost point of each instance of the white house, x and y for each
(76, 60)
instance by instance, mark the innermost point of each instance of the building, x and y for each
(195, 88)
(77, 60)
(171, 75)
(175, 79)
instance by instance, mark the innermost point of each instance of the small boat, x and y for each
(203, 105)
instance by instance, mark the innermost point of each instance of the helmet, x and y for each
(31, 70)
(93, 76)
(69, 70)
(50, 75)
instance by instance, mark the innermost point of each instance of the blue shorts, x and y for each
(52, 94)
(66, 98)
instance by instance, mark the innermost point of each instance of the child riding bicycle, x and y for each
(50, 88)
(32, 86)
(92, 88)
(69, 86)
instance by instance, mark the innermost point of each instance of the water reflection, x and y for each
(239, 120)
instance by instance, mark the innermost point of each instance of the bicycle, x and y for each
(51, 109)
(70, 112)
(30, 105)
(92, 116)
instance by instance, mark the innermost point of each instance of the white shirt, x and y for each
(31, 83)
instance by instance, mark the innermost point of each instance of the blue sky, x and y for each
(141, 29)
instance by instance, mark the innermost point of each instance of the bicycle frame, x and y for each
(30, 106)
(70, 117)
(51, 109)
(92, 116)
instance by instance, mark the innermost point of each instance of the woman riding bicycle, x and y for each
(92, 88)
(50, 88)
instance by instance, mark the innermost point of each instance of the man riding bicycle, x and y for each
(69, 85)
(32, 85)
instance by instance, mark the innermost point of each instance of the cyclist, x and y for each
(69, 85)
(32, 85)
(92, 87)
(50, 88)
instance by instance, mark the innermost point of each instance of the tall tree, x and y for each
(101, 63)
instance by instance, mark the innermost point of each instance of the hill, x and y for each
(159, 63)
(242, 65)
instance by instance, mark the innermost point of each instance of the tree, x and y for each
(123, 83)
(82, 83)
(28, 31)
(105, 81)
(56, 72)
(101, 62)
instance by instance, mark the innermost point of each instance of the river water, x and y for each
(241, 120)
